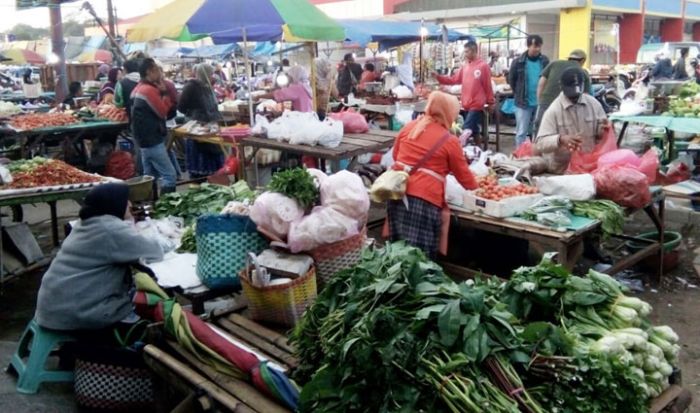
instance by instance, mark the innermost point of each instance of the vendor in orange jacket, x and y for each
(419, 219)
(477, 91)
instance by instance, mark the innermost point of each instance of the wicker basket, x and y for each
(332, 258)
(280, 304)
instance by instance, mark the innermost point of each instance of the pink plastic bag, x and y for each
(649, 165)
(353, 122)
(585, 163)
(620, 157)
(624, 185)
(524, 150)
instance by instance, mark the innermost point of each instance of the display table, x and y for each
(352, 145)
(178, 136)
(78, 131)
(569, 243)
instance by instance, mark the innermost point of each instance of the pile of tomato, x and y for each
(51, 173)
(489, 188)
(42, 120)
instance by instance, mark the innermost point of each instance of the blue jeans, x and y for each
(524, 119)
(473, 121)
(157, 163)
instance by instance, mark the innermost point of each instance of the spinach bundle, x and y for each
(610, 214)
(201, 199)
(395, 334)
(297, 184)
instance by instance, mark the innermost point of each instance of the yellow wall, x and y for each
(574, 31)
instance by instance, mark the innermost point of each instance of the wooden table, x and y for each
(353, 145)
(567, 244)
(177, 136)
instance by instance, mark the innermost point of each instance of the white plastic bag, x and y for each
(402, 92)
(331, 133)
(479, 167)
(345, 193)
(274, 213)
(575, 187)
(319, 176)
(323, 225)
(387, 159)
(454, 191)
(305, 128)
(261, 125)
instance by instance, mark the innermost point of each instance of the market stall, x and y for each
(351, 147)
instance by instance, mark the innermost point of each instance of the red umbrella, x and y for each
(97, 55)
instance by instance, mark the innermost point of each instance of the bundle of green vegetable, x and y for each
(395, 334)
(297, 184)
(613, 341)
(188, 242)
(26, 165)
(610, 214)
(553, 211)
(201, 199)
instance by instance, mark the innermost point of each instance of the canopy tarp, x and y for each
(395, 33)
(212, 51)
(169, 52)
(225, 21)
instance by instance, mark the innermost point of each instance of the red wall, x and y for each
(672, 30)
(696, 32)
(632, 35)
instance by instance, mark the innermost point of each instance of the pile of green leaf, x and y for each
(188, 242)
(394, 334)
(617, 360)
(296, 183)
(26, 165)
(201, 199)
(610, 214)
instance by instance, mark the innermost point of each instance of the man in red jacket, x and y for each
(477, 92)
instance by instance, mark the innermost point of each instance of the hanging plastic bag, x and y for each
(524, 150)
(626, 186)
(353, 122)
(587, 162)
(230, 166)
(479, 167)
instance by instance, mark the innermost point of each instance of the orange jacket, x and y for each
(448, 159)
(475, 78)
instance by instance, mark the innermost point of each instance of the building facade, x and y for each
(592, 25)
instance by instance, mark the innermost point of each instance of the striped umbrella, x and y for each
(22, 57)
(229, 21)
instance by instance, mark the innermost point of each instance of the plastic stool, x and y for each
(33, 372)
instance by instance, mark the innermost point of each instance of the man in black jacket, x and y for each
(154, 101)
(523, 77)
(349, 76)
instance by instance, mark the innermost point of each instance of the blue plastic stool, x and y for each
(33, 372)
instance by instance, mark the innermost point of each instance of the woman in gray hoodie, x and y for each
(87, 285)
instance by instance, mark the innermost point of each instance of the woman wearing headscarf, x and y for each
(325, 87)
(102, 72)
(298, 91)
(106, 94)
(427, 143)
(198, 102)
(87, 285)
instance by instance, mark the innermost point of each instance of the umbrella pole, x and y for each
(248, 75)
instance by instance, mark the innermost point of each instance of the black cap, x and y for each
(572, 81)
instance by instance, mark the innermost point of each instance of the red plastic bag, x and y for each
(230, 166)
(585, 163)
(120, 165)
(626, 186)
(524, 150)
(353, 122)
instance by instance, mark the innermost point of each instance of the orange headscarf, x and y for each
(441, 109)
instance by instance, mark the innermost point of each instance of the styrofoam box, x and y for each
(500, 209)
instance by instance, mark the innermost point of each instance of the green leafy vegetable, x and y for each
(201, 199)
(610, 214)
(297, 184)
(188, 242)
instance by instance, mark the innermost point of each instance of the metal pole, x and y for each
(248, 75)
(110, 18)
(58, 48)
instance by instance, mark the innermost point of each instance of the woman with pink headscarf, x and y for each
(428, 144)
(298, 91)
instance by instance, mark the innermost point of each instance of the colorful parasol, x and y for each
(227, 20)
(22, 57)
(96, 55)
(209, 347)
